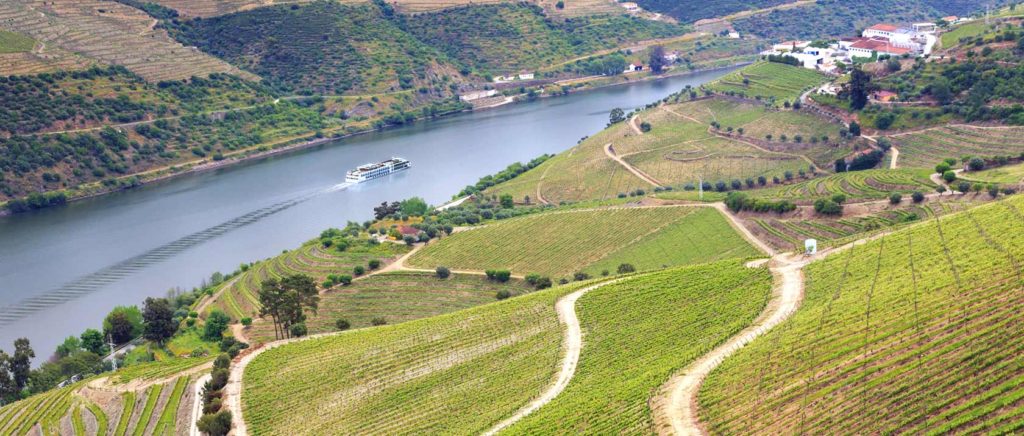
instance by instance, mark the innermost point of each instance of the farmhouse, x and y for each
(630, 6)
(633, 67)
(526, 76)
(867, 47)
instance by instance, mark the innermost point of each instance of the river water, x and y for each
(63, 269)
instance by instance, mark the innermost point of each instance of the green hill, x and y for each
(690, 11)
(916, 332)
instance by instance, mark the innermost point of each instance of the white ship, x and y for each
(375, 170)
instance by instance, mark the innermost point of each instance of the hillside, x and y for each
(690, 11)
(477, 366)
(914, 332)
(321, 48)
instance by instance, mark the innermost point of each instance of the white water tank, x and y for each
(810, 246)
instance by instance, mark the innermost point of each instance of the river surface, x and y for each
(63, 269)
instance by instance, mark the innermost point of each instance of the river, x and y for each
(63, 269)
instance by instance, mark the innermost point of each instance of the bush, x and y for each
(839, 198)
(222, 361)
(342, 324)
(895, 198)
(580, 276)
(409, 239)
(298, 330)
(543, 283)
(826, 206)
(216, 323)
(442, 272)
(217, 424)
(976, 164)
(964, 187)
(246, 321)
(503, 294)
(532, 279)
(949, 176)
(626, 268)
(358, 270)
(917, 196)
(645, 126)
(374, 263)
(993, 191)
(942, 168)
(345, 279)
(378, 321)
(498, 275)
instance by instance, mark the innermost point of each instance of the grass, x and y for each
(11, 42)
(240, 298)
(560, 243)
(769, 81)
(703, 236)
(152, 397)
(916, 333)
(166, 423)
(397, 297)
(99, 415)
(454, 373)
(637, 334)
(1010, 174)
(968, 30)
(927, 148)
(128, 400)
(45, 410)
(157, 370)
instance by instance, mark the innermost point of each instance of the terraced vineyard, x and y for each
(455, 373)
(638, 333)
(868, 184)
(71, 410)
(561, 243)
(397, 297)
(768, 81)
(105, 32)
(682, 149)
(210, 8)
(239, 297)
(917, 332)
(926, 148)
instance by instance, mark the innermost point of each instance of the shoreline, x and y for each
(205, 165)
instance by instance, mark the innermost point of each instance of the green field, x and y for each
(11, 42)
(456, 373)
(859, 185)
(561, 243)
(239, 297)
(397, 297)
(927, 148)
(768, 81)
(967, 30)
(1010, 175)
(914, 333)
(637, 334)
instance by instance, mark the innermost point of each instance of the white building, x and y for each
(476, 95)
(526, 76)
(791, 45)
(892, 33)
(630, 6)
(924, 27)
(734, 35)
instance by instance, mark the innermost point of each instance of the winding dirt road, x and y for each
(573, 344)
(610, 152)
(197, 405)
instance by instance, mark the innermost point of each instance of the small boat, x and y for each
(374, 170)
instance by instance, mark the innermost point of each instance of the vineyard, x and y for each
(768, 81)
(867, 185)
(637, 334)
(397, 297)
(455, 373)
(682, 148)
(161, 409)
(109, 33)
(926, 148)
(210, 8)
(561, 243)
(916, 332)
(239, 297)
(1010, 175)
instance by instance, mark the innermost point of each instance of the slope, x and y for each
(916, 332)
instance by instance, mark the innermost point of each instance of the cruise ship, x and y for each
(375, 170)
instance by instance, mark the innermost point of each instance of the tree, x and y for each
(342, 324)
(963, 187)
(645, 126)
(560, 5)
(215, 424)
(123, 323)
(70, 345)
(941, 168)
(8, 389)
(657, 59)
(92, 341)
(506, 201)
(626, 268)
(826, 206)
(21, 362)
(917, 196)
(158, 320)
(385, 209)
(616, 116)
(414, 206)
(216, 324)
(442, 272)
(246, 321)
(940, 89)
(949, 176)
(895, 198)
(976, 164)
(298, 330)
(859, 88)
(854, 128)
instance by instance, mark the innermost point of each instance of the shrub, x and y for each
(409, 239)
(216, 323)
(374, 263)
(645, 126)
(246, 321)
(222, 361)
(298, 330)
(895, 198)
(964, 187)
(993, 191)
(503, 294)
(580, 276)
(917, 196)
(532, 279)
(949, 176)
(498, 275)
(217, 424)
(358, 270)
(442, 272)
(839, 198)
(976, 164)
(826, 206)
(342, 324)
(543, 283)
(345, 279)
(626, 268)
(377, 321)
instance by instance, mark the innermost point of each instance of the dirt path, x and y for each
(573, 344)
(197, 406)
(633, 125)
(737, 225)
(610, 152)
(895, 157)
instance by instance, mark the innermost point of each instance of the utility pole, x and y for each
(110, 342)
(700, 188)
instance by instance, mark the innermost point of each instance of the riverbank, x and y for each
(264, 151)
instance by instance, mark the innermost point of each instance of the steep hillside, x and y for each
(916, 332)
(690, 10)
(503, 39)
(322, 48)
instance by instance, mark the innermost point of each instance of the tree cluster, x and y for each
(286, 301)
